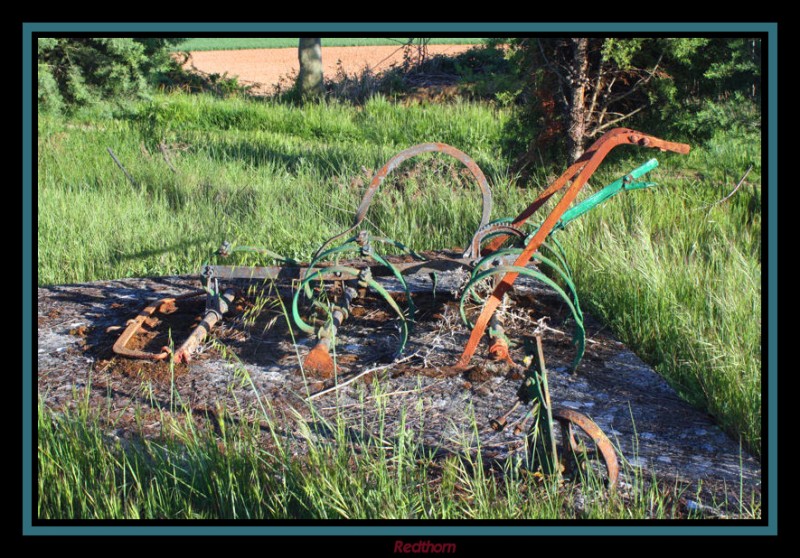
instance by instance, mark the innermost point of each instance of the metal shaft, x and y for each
(319, 361)
(210, 318)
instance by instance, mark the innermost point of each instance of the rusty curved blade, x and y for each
(395, 161)
(568, 417)
(318, 361)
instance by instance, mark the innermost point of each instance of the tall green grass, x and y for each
(249, 172)
(241, 43)
(675, 274)
(678, 277)
(242, 472)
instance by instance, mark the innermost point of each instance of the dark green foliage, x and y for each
(75, 72)
(480, 73)
(687, 88)
(715, 87)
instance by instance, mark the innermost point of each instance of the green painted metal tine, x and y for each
(399, 276)
(298, 320)
(400, 245)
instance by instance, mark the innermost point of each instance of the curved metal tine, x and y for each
(395, 161)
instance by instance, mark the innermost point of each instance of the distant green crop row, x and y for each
(242, 43)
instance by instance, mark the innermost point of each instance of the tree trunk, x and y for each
(576, 127)
(309, 80)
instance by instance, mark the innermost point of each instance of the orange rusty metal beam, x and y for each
(584, 167)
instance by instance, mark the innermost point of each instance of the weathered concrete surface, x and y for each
(654, 429)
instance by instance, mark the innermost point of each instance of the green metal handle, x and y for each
(627, 182)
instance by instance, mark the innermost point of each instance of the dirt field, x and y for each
(264, 68)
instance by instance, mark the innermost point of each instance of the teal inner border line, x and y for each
(680, 529)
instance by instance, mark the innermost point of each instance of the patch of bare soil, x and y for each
(266, 69)
(251, 359)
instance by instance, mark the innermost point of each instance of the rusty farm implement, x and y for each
(355, 262)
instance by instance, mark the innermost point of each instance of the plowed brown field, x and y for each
(264, 68)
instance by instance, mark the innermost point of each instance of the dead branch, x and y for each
(359, 375)
(726, 198)
(163, 149)
(599, 129)
(127, 174)
(638, 84)
(597, 87)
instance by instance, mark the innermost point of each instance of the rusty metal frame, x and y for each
(492, 234)
(120, 346)
(584, 168)
(495, 233)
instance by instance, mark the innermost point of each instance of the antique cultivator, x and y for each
(353, 262)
